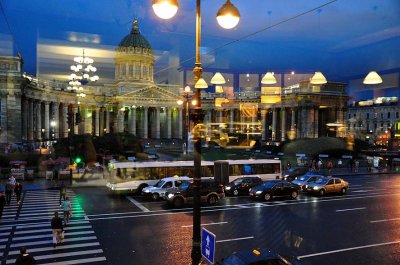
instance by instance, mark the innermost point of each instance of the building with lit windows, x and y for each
(243, 108)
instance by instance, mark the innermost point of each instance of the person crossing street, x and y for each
(57, 227)
(18, 191)
(66, 205)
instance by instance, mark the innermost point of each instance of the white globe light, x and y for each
(165, 9)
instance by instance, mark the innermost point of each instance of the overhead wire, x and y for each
(9, 27)
(251, 34)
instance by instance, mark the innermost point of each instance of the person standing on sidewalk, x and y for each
(18, 191)
(57, 227)
(25, 258)
(9, 191)
(2, 203)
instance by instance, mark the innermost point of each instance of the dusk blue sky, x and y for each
(345, 39)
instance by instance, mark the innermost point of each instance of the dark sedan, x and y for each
(258, 256)
(274, 188)
(241, 186)
(295, 172)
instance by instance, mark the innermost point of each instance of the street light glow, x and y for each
(165, 9)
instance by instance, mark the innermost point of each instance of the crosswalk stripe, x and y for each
(5, 234)
(47, 224)
(48, 212)
(73, 262)
(48, 235)
(61, 255)
(3, 239)
(33, 250)
(35, 243)
(49, 230)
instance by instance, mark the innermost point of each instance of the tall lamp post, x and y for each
(228, 17)
(186, 92)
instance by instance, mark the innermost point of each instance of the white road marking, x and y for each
(50, 231)
(234, 239)
(32, 250)
(183, 226)
(60, 255)
(385, 220)
(348, 249)
(138, 204)
(351, 209)
(366, 190)
(79, 261)
(35, 243)
(50, 235)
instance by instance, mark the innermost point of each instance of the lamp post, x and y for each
(186, 92)
(228, 17)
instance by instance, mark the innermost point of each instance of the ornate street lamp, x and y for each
(228, 17)
(187, 91)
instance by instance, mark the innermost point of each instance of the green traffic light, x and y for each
(78, 160)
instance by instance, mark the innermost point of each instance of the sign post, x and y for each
(207, 245)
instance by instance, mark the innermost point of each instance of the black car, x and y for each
(295, 172)
(241, 186)
(274, 188)
(258, 256)
(211, 192)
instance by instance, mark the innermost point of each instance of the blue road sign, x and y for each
(207, 245)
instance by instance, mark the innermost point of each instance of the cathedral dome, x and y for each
(135, 39)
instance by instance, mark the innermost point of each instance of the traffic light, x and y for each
(77, 160)
(78, 118)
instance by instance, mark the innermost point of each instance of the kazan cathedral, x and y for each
(37, 110)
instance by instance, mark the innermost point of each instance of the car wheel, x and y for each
(294, 195)
(235, 192)
(155, 196)
(321, 192)
(178, 202)
(344, 190)
(212, 200)
(267, 196)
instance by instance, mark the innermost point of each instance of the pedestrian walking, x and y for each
(57, 227)
(2, 203)
(289, 166)
(12, 181)
(66, 205)
(340, 163)
(329, 166)
(9, 192)
(18, 191)
(63, 191)
(356, 165)
(24, 258)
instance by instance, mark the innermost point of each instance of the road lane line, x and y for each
(79, 261)
(32, 250)
(366, 190)
(138, 204)
(183, 226)
(348, 249)
(61, 255)
(351, 209)
(385, 220)
(234, 239)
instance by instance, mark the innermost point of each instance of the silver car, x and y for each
(323, 186)
(166, 184)
(303, 181)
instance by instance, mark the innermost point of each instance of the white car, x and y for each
(166, 184)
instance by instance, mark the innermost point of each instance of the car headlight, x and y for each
(227, 188)
(258, 192)
(316, 188)
(146, 191)
(170, 195)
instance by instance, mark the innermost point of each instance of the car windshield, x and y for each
(184, 185)
(237, 181)
(269, 184)
(159, 184)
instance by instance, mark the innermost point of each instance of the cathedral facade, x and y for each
(39, 110)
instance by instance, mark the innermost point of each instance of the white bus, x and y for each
(134, 176)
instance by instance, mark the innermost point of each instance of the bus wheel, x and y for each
(178, 202)
(155, 196)
(212, 200)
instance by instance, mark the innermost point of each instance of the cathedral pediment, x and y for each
(153, 93)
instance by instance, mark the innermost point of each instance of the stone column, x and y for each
(64, 120)
(97, 122)
(39, 120)
(107, 120)
(56, 119)
(157, 123)
(293, 124)
(30, 122)
(101, 123)
(283, 125)
(25, 122)
(75, 126)
(274, 118)
(46, 119)
(316, 114)
(120, 120)
(169, 123)
(263, 124)
(132, 124)
(145, 122)
(180, 123)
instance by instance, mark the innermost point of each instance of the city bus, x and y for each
(134, 176)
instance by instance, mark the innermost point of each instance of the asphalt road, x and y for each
(361, 227)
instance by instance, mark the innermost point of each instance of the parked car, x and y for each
(166, 184)
(241, 186)
(323, 186)
(258, 256)
(211, 192)
(302, 181)
(295, 172)
(274, 188)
